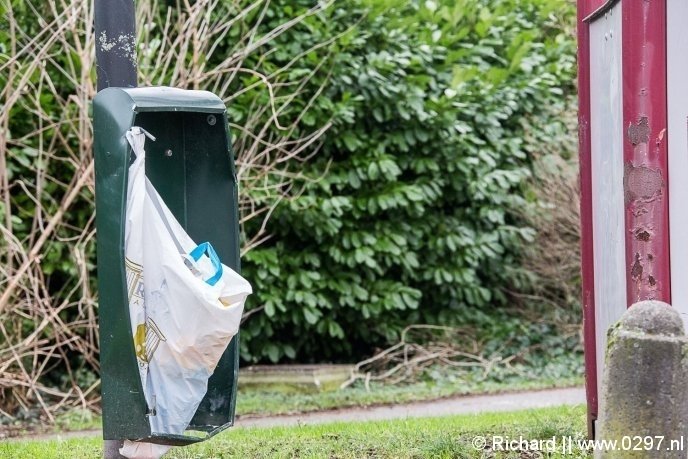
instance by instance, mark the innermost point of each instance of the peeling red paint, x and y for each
(639, 133)
(642, 183)
(645, 150)
(660, 137)
(637, 268)
(642, 235)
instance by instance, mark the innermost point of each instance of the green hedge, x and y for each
(407, 214)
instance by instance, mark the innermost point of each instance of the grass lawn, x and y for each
(447, 437)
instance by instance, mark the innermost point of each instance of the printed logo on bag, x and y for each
(147, 335)
(134, 281)
(146, 340)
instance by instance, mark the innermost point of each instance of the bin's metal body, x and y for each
(192, 167)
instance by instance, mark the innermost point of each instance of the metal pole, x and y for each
(111, 449)
(115, 28)
(115, 43)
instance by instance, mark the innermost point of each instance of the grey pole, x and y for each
(111, 449)
(115, 29)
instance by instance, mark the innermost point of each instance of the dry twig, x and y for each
(422, 346)
(48, 327)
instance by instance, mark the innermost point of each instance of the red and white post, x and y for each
(633, 115)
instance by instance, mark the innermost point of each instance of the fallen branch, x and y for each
(422, 346)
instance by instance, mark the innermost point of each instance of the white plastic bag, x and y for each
(183, 316)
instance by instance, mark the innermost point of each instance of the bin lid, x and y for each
(166, 99)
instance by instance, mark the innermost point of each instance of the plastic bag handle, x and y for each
(205, 247)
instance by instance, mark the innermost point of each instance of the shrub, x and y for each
(411, 211)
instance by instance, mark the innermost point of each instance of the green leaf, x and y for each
(310, 316)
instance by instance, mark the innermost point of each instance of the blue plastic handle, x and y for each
(208, 249)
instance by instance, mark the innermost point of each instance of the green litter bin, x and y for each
(192, 167)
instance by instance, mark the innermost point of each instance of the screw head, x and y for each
(212, 120)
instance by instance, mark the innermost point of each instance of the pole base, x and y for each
(111, 449)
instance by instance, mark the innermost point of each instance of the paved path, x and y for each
(471, 404)
(445, 407)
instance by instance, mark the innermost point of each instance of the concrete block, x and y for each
(645, 383)
(294, 378)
